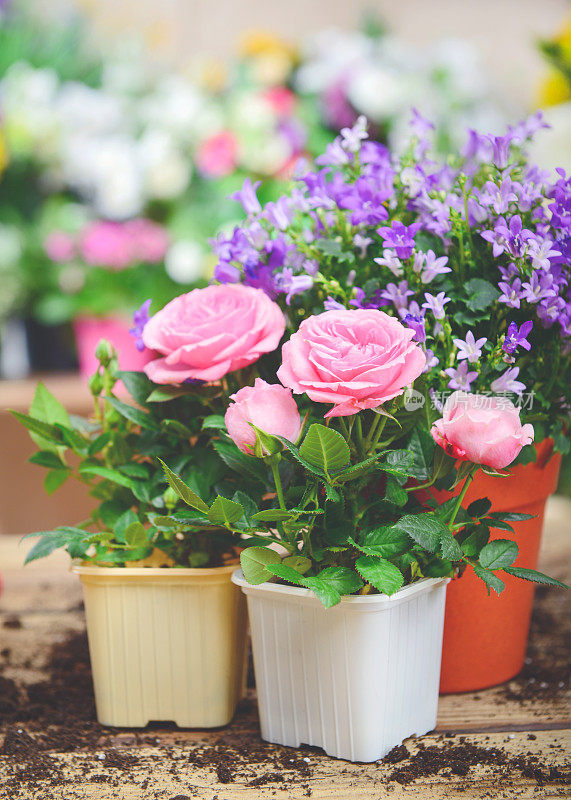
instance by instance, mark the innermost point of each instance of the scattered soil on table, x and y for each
(56, 715)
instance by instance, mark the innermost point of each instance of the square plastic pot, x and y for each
(166, 644)
(355, 679)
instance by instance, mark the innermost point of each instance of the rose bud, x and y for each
(269, 407)
(482, 429)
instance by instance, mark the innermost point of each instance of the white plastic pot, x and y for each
(166, 644)
(355, 679)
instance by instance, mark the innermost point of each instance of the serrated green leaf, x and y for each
(173, 426)
(122, 523)
(356, 470)
(183, 491)
(474, 542)
(449, 547)
(325, 448)
(45, 431)
(163, 394)
(54, 479)
(240, 462)
(499, 524)
(422, 446)
(137, 384)
(399, 463)
(254, 560)
(385, 542)
(272, 515)
(135, 415)
(510, 516)
(224, 511)
(285, 573)
(113, 475)
(214, 421)
(47, 458)
(300, 564)
(53, 540)
(394, 493)
(380, 573)
(479, 508)
(498, 554)
(534, 576)
(492, 581)
(136, 535)
(426, 529)
(98, 444)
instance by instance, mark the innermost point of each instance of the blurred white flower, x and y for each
(185, 261)
(166, 170)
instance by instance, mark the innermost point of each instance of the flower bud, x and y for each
(104, 352)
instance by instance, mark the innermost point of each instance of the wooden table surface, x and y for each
(518, 733)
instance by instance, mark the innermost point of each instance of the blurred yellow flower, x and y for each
(272, 58)
(555, 87)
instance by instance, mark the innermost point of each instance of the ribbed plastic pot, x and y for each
(165, 644)
(88, 332)
(485, 637)
(355, 679)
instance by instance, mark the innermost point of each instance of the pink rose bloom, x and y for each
(482, 429)
(149, 241)
(269, 407)
(208, 332)
(59, 246)
(106, 244)
(353, 359)
(218, 155)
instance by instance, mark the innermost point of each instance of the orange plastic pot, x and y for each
(485, 637)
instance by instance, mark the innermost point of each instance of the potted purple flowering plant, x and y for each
(473, 254)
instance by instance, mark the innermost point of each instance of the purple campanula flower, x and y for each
(436, 304)
(360, 300)
(400, 237)
(541, 251)
(351, 138)
(287, 283)
(247, 196)
(460, 378)
(397, 294)
(332, 305)
(501, 149)
(431, 362)
(365, 202)
(140, 319)
(433, 266)
(539, 287)
(515, 235)
(416, 322)
(389, 259)
(517, 338)
(477, 147)
(550, 309)
(511, 293)
(361, 243)
(334, 156)
(280, 213)
(226, 273)
(498, 197)
(471, 348)
(507, 382)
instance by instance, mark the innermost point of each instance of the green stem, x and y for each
(274, 464)
(378, 433)
(372, 430)
(467, 483)
(360, 444)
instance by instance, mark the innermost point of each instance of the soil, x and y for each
(56, 715)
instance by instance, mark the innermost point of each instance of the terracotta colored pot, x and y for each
(88, 332)
(485, 637)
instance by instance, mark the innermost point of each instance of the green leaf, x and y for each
(449, 546)
(215, 421)
(422, 446)
(240, 462)
(303, 461)
(47, 458)
(398, 462)
(479, 508)
(47, 408)
(492, 581)
(224, 511)
(137, 384)
(356, 470)
(499, 524)
(285, 573)
(165, 393)
(183, 491)
(300, 564)
(480, 294)
(55, 478)
(107, 473)
(535, 576)
(426, 529)
(498, 554)
(253, 561)
(342, 579)
(173, 426)
(136, 535)
(385, 542)
(123, 522)
(325, 448)
(53, 540)
(272, 515)
(473, 543)
(135, 415)
(332, 494)
(73, 439)
(394, 493)
(380, 573)
(509, 516)
(45, 431)
(98, 444)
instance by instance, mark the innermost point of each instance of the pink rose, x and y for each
(208, 332)
(106, 244)
(218, 155)
(484, 430)
(353, 359)
(59, 246)
(269, 407)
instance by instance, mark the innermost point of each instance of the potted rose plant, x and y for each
(166, 626)
(472, 254)
(347, 642)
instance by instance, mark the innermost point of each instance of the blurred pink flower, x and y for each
(281, 100)
(217, 156)
(150, 241)
(59, 246)
(106, 244)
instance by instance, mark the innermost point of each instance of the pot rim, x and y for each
(369, 601)
(152, 572)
